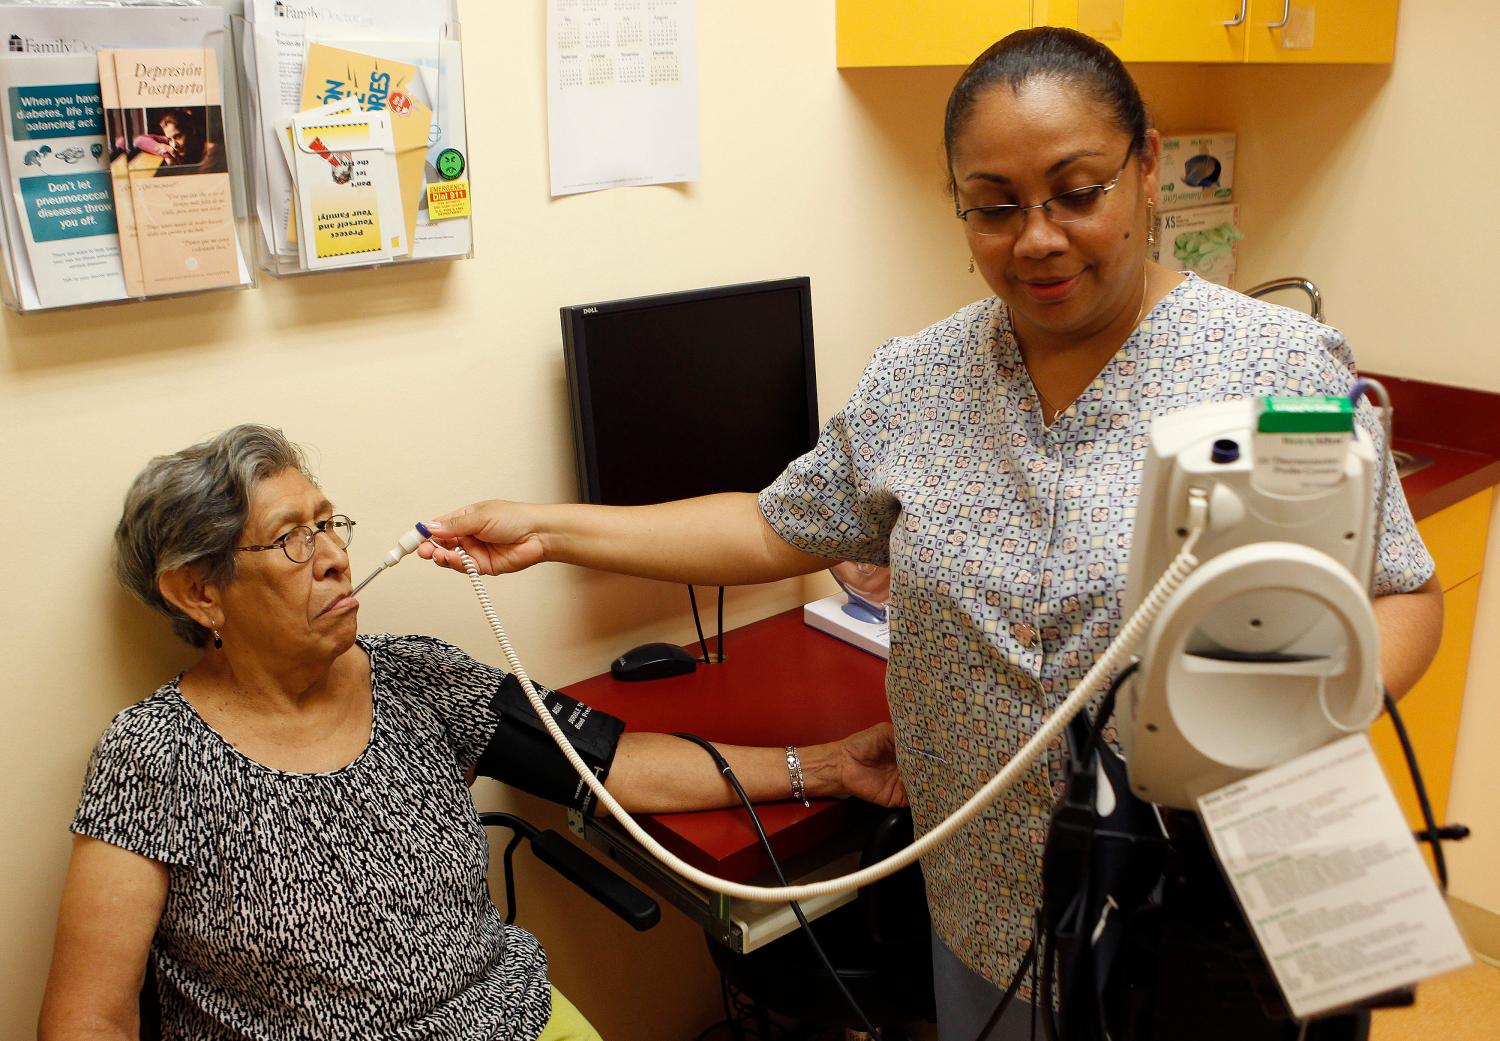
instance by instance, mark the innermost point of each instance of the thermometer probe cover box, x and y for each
(1197, 169)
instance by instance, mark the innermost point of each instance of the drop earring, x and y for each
(971, 265)
(1150, 225)
(218, 641)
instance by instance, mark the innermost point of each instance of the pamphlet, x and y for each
(117, 133)
(170, 122)
(58, 177)
(423, 33)
(348, 192)
(37, 32)
(441, 87)
(346, 107)
(333, 74)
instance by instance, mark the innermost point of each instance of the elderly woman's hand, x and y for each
(867, 766)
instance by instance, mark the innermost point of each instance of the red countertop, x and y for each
(1458, 427)
(782, 683)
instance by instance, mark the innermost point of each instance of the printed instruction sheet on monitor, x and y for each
(1330, 879)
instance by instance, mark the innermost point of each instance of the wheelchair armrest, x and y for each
(598, 881)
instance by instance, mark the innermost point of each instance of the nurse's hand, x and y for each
(499, 536)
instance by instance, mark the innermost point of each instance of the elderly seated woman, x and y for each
(285, 828)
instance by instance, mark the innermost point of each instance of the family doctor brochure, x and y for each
(58, 174)
(420, 32)
(348, 194)
(333, 74)
(166, 122)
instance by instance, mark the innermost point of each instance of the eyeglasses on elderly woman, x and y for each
(298, 544)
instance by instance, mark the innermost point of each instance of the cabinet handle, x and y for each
(1286, 16)
(1240, 18)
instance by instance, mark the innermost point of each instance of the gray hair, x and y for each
(190, 508)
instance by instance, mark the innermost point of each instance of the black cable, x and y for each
(1050, 1027)
(1011, 988)
(1036, 941)
(1433, 834)
(697, 624)
(724, 768)
(721, 625)
(1043, 1003)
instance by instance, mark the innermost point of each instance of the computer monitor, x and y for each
(690, 393)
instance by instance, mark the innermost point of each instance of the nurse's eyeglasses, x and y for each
(1065, 208)
(299, 543)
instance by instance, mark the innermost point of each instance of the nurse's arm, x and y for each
(1410, 626)
(714, 540)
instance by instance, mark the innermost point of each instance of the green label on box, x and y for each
(1306, 415)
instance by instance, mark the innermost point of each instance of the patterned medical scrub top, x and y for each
(347, 904)
(1008, 543)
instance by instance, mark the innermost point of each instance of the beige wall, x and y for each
(421, 388)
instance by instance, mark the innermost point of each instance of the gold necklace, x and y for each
(1042, 398)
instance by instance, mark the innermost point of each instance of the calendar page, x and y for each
(622, 93)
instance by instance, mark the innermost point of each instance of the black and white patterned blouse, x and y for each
(345, 904)
(1008, 541)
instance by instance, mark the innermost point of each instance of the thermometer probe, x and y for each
(410, 541)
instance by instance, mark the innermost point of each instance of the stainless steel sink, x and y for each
(1408, 463)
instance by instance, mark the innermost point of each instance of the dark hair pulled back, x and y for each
(1053, 53)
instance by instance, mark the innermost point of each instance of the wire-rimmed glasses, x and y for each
(299, 543)
(1064, 208)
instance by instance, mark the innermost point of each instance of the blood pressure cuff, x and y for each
(523, 754)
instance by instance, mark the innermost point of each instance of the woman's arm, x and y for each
(658, 773)
(1410, 626)
(712, 540)
(111, 903)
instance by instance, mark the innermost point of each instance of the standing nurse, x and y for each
(993, 460)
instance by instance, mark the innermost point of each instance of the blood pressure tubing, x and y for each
(1130, 634)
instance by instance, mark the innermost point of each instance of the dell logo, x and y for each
(590, 310)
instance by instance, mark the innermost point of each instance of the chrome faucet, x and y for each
(1304, 284)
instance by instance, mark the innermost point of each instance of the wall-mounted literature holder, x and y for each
(358, 140)
(123, 155)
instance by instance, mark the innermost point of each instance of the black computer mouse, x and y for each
(652, 661)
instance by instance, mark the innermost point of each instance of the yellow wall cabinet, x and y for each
(923, 32)
(954, 32)
(1456, 538)
(1309, 31)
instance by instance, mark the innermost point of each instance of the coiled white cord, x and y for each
(1111, 659)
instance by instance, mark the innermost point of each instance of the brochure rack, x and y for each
(123, 154)
(357, 133)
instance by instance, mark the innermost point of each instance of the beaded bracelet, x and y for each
(794, 768)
